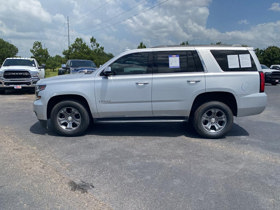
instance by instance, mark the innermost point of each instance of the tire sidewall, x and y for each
(84, 118)
(198, 118)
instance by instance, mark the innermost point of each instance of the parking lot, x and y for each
(138, 165)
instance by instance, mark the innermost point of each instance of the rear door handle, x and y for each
(141, 83)
(193, 81)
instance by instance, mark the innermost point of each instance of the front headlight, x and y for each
(38, 89)
(1, 73)
(35, 74)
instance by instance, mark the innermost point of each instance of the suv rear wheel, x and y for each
(70, 118)
(213, 119)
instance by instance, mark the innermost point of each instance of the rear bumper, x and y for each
(252, 104)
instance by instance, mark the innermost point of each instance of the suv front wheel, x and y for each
(70, 118)
(213, 119)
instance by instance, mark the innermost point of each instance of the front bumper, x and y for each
(40, 110)
(18, 83)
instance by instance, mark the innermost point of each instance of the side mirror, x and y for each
(42, 66)
(108, 71)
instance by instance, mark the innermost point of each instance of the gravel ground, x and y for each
(138, 166)
(29, 181)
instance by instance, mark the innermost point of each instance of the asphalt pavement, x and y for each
(138, 165)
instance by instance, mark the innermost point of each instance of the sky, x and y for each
(122, 24)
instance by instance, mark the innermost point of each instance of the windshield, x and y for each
(82, 64)
(275, 67)
(19, 62)
(264, 67)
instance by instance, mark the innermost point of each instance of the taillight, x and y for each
(262, 82)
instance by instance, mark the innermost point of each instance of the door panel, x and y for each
(124, 96)
(173, 94)
(178, 77)
(127, 93)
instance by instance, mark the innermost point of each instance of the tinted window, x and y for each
(177, 61)
(82, 63)
(136, 63)
(275, 67)
(18, 62)
(234, 60)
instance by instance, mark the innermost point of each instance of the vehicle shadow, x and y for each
(159, 129)
(18, 92)
(36, 128)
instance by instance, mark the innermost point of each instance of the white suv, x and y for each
(206, 85)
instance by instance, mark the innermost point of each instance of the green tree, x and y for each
(55, 62)
(93, 43)
(141, 45)
(7, 50)
(217, 43)
(39, 53)
(185, 43)
(270, 55)
(99, 56)
(96, 47)
(78, 50)
(259, 54)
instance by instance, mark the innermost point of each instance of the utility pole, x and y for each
(68, 32)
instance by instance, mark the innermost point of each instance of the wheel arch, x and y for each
(224, 97)
(56, 99)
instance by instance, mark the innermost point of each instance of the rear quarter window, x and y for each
(234, 60)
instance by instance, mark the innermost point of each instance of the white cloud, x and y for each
(176, 22)
(25, 21)
(24, 9)
(170, 23)
(261, 36)
(275, 7)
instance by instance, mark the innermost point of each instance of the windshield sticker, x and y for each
(233, 61)
(245, 61)
(174, 61)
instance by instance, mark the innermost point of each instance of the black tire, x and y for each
(274, 83)
(69, 118)
(2, 91)
(213, 119)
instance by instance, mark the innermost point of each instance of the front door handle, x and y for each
(193, 81)
(141, 83)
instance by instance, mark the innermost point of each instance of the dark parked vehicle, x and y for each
(77, 66)
(271, 75)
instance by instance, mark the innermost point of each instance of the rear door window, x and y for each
(177, 62)
(234, 60)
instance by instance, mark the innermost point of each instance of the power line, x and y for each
(102, 26)
(119, 14)
(96, 9)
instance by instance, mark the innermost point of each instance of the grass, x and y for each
(51, 73)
